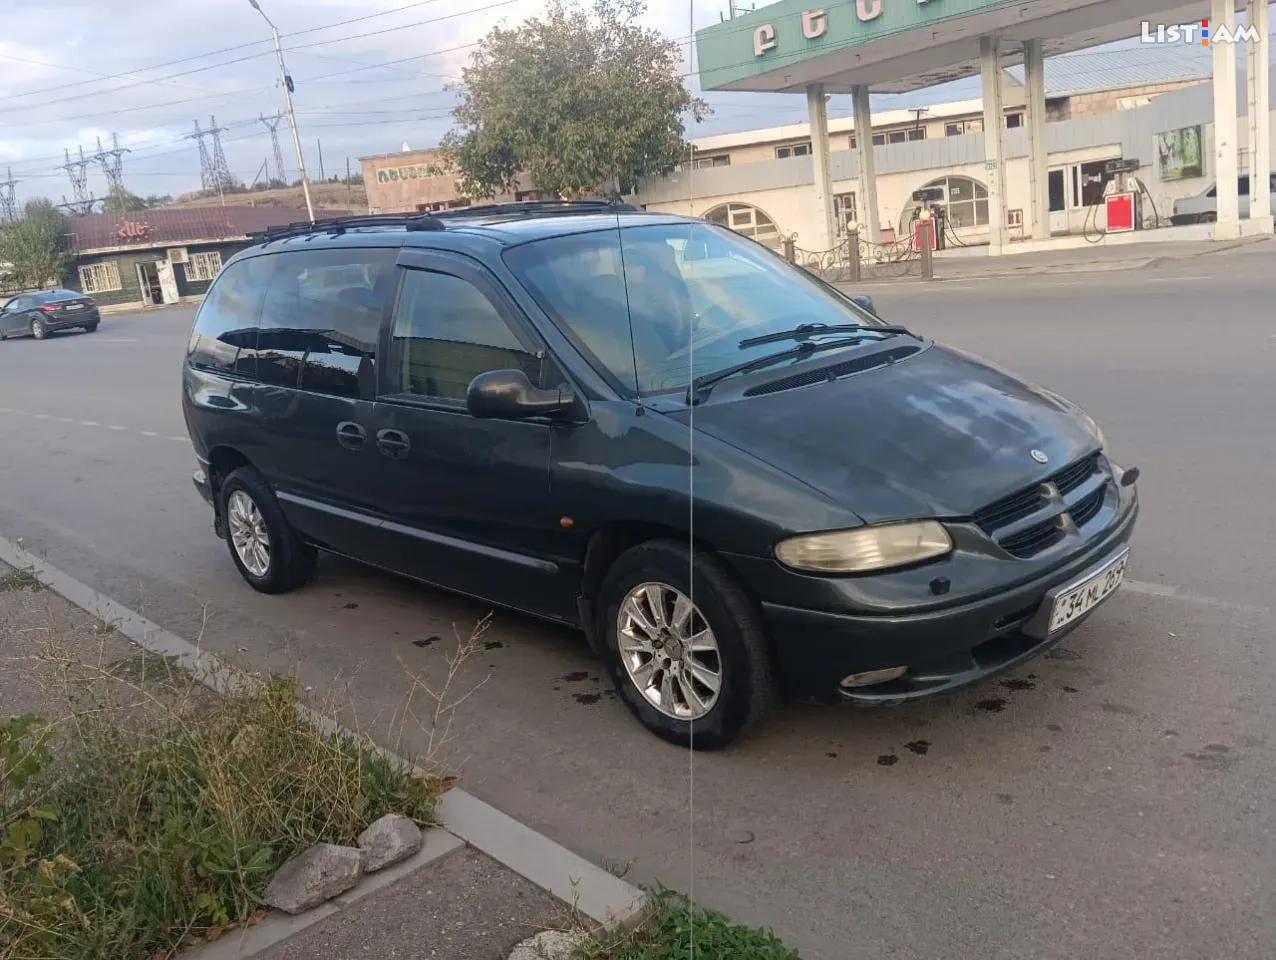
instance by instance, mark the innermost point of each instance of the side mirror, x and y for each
(865, 301)
(509, 395)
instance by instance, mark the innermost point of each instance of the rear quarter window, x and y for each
(225, 336)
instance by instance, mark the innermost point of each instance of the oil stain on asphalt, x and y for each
(919, 747)
(992, 705)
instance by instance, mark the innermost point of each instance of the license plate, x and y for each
(1088, 594)
(75, 306)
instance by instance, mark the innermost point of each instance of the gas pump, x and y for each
(1122, 196)
(929, 199)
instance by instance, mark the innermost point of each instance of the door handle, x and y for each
(350, 435)
(393, 443)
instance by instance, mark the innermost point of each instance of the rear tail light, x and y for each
(90, 302)
(49, 308)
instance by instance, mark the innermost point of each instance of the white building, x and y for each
(1145, 103)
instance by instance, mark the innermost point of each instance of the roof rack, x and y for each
(338, 225)
(539, 207)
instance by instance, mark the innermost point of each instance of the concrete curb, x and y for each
(593, 893)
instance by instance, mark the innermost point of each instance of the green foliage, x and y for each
(122, 201)
(147, 837)
(35, 247)
(674, 927)
(583, 101)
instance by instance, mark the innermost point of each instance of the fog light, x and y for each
(872, 677)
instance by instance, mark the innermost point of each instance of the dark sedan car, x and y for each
(733, 478)
(48, 311)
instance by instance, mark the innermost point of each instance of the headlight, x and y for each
(868, 548)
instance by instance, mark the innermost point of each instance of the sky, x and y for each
(370, 75)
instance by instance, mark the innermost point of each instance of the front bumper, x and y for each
(944, 650)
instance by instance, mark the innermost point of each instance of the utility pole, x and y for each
(8, 197)
(78, 172)
(273, 126)
(292, 114)
(349, 191)
(319, 147)
(112, 162)
(214, 172)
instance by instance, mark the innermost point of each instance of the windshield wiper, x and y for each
(804, 330)
(701, 385)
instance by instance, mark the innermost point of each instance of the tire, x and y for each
(90, 328)
(1208, 217)
(38, 329)
(746, 688)
(289, 562)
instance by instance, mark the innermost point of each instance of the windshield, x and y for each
(659, 306)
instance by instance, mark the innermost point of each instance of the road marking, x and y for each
(66, 419)
(89, 423)
(179, 439)
(116, 426)
(42, 416)
(115, 339)
(148, 433)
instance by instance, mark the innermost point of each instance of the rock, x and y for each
(308, 879)
(548, 945)
(389, 840)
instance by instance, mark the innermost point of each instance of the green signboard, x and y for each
(795, 31)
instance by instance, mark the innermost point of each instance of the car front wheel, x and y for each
(685, 646)
(265, 548)
(38, 329)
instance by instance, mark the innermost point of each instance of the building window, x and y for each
(956, 128)
(793, 150)
(854, 142)
(1014, 218)
(204, 266)
(1014, 120)
(965, 201)
(879, 139)
(917, 133)
(721, 160)
(100, 277)
(844, 211)
(747, 220)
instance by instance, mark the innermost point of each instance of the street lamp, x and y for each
(292, 116)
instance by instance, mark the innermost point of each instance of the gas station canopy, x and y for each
(896, 46)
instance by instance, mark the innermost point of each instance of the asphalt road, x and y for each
(1112, 800)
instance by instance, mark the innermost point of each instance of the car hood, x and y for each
(940, 434)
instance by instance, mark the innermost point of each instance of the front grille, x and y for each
(1087, 507)
(1031, 521)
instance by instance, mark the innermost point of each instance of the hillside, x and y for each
(325, 196)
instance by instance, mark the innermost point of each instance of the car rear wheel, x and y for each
(38, 329)
(266, 550)
(684, 645)
(90, 328)
(1210, 216)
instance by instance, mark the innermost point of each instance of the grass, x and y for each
(132, 829)
(676, 931)
(20, 580)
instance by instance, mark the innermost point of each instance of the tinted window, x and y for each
(226, 326)
(697, 295)
(1242, 186)
(446, 332)
(321, 319)
(579, 280)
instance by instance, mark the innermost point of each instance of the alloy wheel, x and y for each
(669, 651)
(248, 533)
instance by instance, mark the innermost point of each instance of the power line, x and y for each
(8, 197)
(273, 126)
(78, 172)
(214, 172)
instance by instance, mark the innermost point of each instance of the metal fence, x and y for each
(855, 259)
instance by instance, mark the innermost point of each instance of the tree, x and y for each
(120, 200)
(580, 100)
(35, 247)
